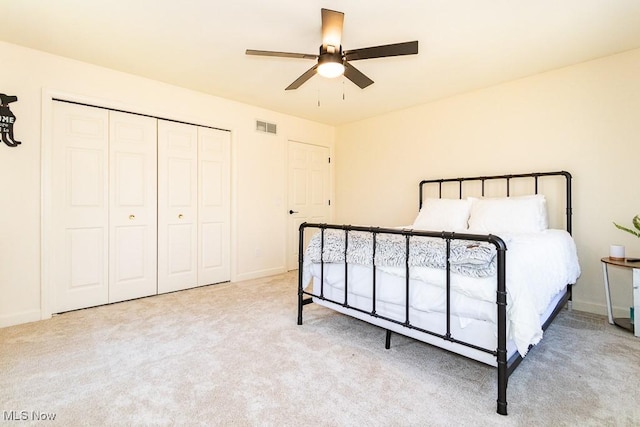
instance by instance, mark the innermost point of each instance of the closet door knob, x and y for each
(132, 217)
(180, 216)
(291, 212)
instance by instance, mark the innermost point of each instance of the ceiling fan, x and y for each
(332, 61)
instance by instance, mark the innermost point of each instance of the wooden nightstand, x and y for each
(635, 267)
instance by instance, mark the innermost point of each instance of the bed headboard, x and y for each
(556, 186)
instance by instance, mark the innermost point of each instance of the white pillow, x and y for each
(522, 214)
(443, 215)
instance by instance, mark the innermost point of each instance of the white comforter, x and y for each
(538, 266)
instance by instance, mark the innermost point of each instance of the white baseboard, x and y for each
(19, 318)
(601, 309)
(259, 274)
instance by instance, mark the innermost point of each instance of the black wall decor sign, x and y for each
(7, 119)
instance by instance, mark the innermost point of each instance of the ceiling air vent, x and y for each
(266, 127)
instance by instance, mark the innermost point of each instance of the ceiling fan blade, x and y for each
(396, 49)
(303, 78)
(280, 54)
(356, 76)
(332, 22)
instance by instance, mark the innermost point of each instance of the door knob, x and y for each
(132, 217)
(180, 216)
(291, 212)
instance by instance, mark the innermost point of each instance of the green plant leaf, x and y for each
(628, 230)
(636, 222)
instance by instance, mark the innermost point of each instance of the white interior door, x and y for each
(308, 179)
(79, 201)
(133, 206)
(177, 206)
(214, 227)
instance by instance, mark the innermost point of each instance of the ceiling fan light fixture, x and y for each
(330, 62)
(331, 70)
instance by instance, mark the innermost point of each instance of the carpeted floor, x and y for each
(232, 355)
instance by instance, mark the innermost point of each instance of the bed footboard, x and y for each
(306, 296)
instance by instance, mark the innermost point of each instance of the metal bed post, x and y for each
(569, 212)
(301, 300)
(448, 246)
(300, 267)
(406, 296)
(501, 298)
(346, 267)
(322, 262)
(373, 279)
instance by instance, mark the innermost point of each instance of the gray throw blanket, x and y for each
(469, 258)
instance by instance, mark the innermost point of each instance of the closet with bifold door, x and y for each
(139, 206)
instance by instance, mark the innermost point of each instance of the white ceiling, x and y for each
(200, 44)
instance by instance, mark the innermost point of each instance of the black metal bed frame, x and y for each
(504, 366)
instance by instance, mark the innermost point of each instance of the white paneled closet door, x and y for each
(177, 206)
(213, 206)
(133, 206)
(79, 202)
(139, 205)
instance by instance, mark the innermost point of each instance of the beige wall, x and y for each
(584, 119)
(259, 202)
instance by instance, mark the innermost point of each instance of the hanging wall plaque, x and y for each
(7, 119)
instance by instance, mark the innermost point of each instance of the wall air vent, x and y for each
(266, 127)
